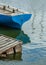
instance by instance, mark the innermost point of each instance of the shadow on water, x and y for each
(17, 56)
(15, 33)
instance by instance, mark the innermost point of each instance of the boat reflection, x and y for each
(23, 37)
(9, 31)
(15, 33)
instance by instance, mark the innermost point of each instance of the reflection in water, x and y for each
(15, 33)
(23, 37)
(9, 31)
(17, 56)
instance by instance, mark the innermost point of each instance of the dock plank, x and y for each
(7, 43)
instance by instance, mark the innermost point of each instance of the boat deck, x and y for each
(9, 10)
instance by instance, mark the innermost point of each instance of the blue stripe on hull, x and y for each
(21, 18)
(14, 21)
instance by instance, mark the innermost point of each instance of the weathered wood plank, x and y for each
(8, 45)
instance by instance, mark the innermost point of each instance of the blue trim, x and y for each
(14, 21)
(21, 18)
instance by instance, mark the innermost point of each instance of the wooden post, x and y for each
(18, 48)
(14, 50)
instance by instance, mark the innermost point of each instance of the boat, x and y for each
(13, 17)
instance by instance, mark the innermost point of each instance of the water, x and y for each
(33, 34)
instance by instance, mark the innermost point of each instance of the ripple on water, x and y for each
(34, 55)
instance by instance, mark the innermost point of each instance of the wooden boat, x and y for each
(13, 17)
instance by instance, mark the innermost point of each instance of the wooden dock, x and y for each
(9, 45)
